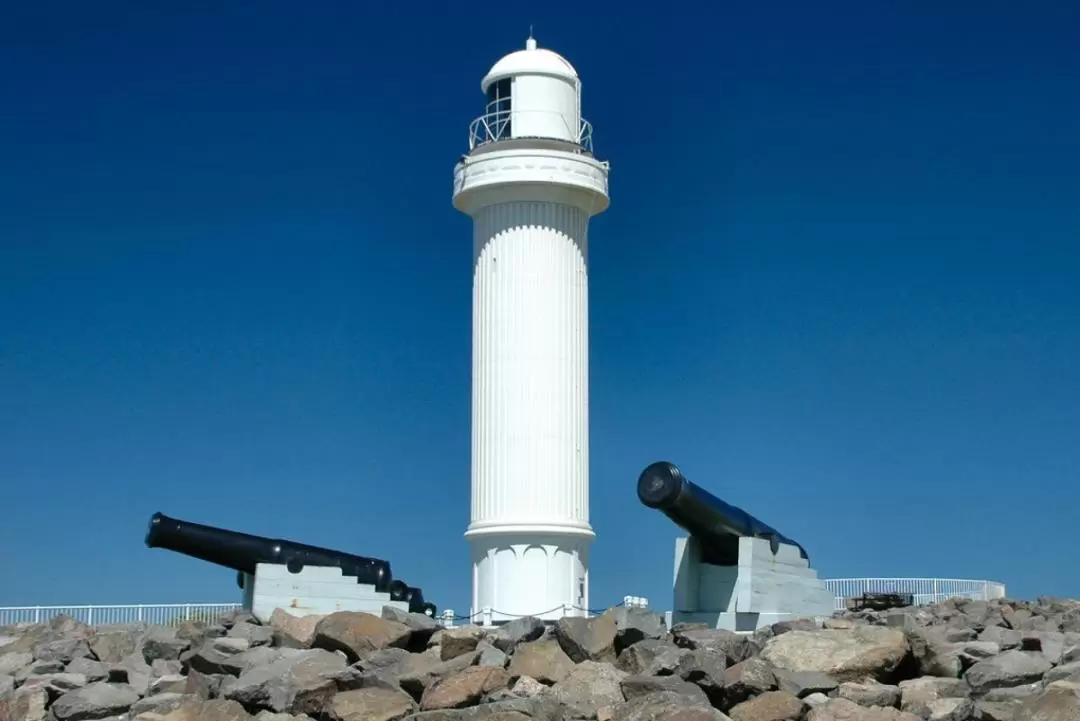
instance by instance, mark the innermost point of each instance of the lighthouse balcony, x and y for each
(526, 127)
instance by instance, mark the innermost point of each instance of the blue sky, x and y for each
(837, 284)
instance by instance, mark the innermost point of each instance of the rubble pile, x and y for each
(961, 660)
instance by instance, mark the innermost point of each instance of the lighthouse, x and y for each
(530, 183)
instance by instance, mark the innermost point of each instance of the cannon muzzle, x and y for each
(715, 525)
(242, 551)
(401, 591)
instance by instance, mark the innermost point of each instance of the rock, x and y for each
(357, 634)
(63, 650)
(133, 671)
(24, 704)
(173, 683)
(526, 687)
(997, 710)
(633, 625)
(160, 704)
(1011, 668)
(94, 701)
(543, 660)
(804, 683)
(589, 687)
(864, 651)
(917, 695)
(652, 657)
(229, 645)
(520, 630)
(733, 645)
(841, 709)
(464, 688)
(203, 685)
(371, 704)
(769, 706)
(457, 641)
(295, 683)
(665, 706)
(7, 683)
(950, 709)
(634, 686)
(59, 682)
(587, 639)
(1059, 701)
(213, 710)
(422, 625)
(1013, 693)
(1004, 637)
(38, 668)
(294, 631)
(491, 656)
(421, 671)
(742, 681)
(162, 643)
(1065, 672)
(92, 670)
(13, 662)
(870, 693)
(254, 635)
(209, 659)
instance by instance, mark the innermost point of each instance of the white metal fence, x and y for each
(925, 590)
(150, 613)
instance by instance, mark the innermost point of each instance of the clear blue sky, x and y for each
(839, 283)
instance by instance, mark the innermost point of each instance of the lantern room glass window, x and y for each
(498, 108)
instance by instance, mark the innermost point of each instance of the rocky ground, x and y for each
(959, 661)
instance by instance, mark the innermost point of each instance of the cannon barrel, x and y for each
(241, 551)
(401, 591)
(713, 523)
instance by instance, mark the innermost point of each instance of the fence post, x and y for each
(139, 613)
(37, 614)
(89, 615)
(187, 611)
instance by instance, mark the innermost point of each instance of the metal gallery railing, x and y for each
(498, 125)
(924, 590)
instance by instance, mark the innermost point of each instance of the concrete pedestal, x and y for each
(315, 589)
(761, 589)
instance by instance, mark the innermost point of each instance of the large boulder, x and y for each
(846, 655)
(297, 683)
(94, 701)
(358, 634)
(587, 639)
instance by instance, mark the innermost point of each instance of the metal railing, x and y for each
(498, 125)
(924, 590)
(149, 613)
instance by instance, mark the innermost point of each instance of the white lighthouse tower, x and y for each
(531, 184)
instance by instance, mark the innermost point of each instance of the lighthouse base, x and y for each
(539, 573)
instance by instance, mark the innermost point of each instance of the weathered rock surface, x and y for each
(846, 655)
(961, 660)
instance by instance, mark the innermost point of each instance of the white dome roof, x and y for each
(530, 61)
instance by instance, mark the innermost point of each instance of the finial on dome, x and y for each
(530, 44)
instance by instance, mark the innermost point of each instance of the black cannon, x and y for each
(715, 525)
(242, 551)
